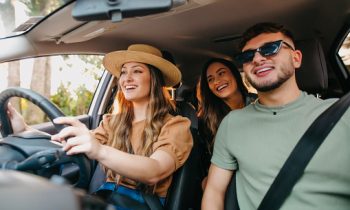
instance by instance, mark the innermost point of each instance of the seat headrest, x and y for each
(312, 76)
(184, 93)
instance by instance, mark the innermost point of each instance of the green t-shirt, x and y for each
(257, 140)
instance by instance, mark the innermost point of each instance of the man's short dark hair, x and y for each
(266, 27)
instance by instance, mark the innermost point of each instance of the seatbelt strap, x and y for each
(97, 180)
(302, 153)
(124, 201)
(152, 201)
(231, 201)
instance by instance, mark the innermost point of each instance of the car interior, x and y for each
(192, 31)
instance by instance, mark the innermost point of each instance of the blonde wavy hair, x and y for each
(160, 105)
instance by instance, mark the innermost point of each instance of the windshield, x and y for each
(18, 16)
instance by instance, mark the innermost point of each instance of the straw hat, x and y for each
(144, 54)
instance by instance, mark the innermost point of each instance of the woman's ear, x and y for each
(297, 58)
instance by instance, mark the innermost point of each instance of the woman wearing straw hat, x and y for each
(142, 144)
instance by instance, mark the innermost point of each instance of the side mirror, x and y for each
(115, 10)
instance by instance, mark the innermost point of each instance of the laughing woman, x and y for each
(141, 145)
(221, 90)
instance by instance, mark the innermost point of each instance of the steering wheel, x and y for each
(43, 103)
(21, 144)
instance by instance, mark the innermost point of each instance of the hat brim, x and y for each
(113, 63)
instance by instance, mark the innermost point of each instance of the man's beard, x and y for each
(268, 86)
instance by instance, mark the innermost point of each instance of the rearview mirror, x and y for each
(115, 10)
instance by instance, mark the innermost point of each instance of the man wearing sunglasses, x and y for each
(253, 143)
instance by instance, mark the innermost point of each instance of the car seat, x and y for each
(185, 192)
(312, 76)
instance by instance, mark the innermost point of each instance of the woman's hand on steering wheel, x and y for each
(16, 119)
(77, 138)
(11, 122)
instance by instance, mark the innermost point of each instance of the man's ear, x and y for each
(297, 58)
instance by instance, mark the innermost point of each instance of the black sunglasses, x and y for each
(267, 49)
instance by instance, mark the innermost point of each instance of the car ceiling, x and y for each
(191, 32)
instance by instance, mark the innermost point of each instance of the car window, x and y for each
(344, 52)
(69, 81)
(19, 16)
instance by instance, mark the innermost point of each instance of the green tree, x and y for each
(95, 66)
(84, 98)
(42, 7)
(69, 104)
(64, 99)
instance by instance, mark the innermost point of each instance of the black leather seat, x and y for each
(312, 76)
(185, 192)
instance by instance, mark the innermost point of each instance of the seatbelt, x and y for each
(152, 201)
(124, 201)
(302, 153)
(231, 202)
(99, 178)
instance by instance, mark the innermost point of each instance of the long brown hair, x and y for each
(213, 108)
(159, 106)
